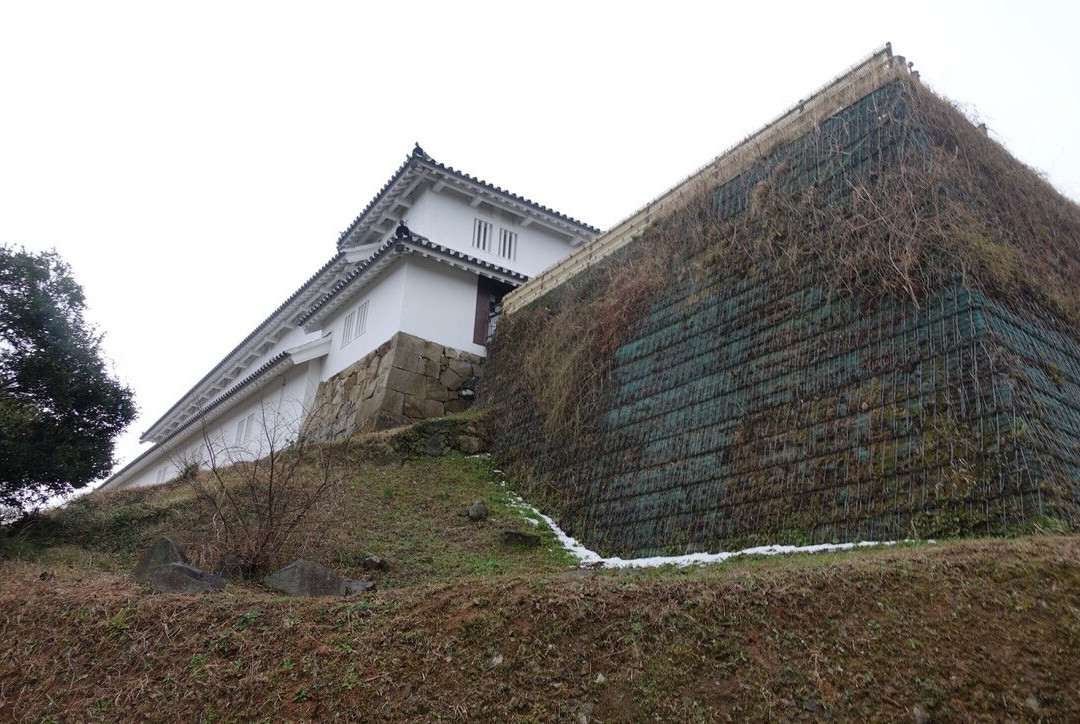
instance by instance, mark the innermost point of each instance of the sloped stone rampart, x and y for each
(870, 333)
(404, 380)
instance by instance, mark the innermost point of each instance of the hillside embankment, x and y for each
(464, 627)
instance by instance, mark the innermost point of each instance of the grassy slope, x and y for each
(406, 507)
(466, 629)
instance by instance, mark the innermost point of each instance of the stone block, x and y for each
(418, 408)
(461, 368)
(162, 553)
(406, 382)
(182, 578)
(431, 351)
(437, 391)
(472, 359)
(392, 402)
(305, 578)
(453, 406)
(431, 368)
(451, 380)
(406, 345)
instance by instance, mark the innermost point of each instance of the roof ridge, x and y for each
(419, 156)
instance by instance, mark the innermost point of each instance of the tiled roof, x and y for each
(227, 358)
(419, 159)
(385, 247)
(270, 364)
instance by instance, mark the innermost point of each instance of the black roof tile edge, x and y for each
(216, 368)
(262, 370)
(383, 248)
(416, 159)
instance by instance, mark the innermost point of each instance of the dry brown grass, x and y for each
(970, 631)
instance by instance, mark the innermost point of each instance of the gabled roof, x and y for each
(385, 253)
(418, 165)
(284, 314)
(321, 288)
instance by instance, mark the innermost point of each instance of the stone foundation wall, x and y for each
(405, 379)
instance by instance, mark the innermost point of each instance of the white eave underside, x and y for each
(229, 399)
(396, 200)
(258, 343)
(385, 255)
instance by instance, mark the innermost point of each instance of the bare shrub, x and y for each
(264, 499)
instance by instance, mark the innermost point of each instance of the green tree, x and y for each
(60, 409)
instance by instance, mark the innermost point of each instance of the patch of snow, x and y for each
(592, 559)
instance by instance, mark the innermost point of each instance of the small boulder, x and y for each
(163, 552)
(182, 578)
(518, 538)
(354, 587)
(373, 562)
(477, 511)
(230, 566)
(305, 578)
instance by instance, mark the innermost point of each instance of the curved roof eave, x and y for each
(419, 161)
(229, 359)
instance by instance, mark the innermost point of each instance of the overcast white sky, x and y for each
(194, 162)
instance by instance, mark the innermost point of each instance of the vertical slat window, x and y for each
(239, 431)
(347, 329)
(355, 323)
(482, 235)
(508, 244)
(249, 432)
(361, 319)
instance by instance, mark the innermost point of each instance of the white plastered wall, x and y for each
(447, 219)
(440, 304)
(384, 306)
(277, 410)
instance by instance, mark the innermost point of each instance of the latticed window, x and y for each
(508, 244)
(481, 235)
(355, 323)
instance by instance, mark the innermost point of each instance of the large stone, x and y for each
(163, 552)
(461, 368)
(405, 382)
(386, 361)
(451, 380)
(431, 351)
(305, 578)
(477, 511)
(418, 408)
(392, 401)
(437, 391)
(182, 578)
